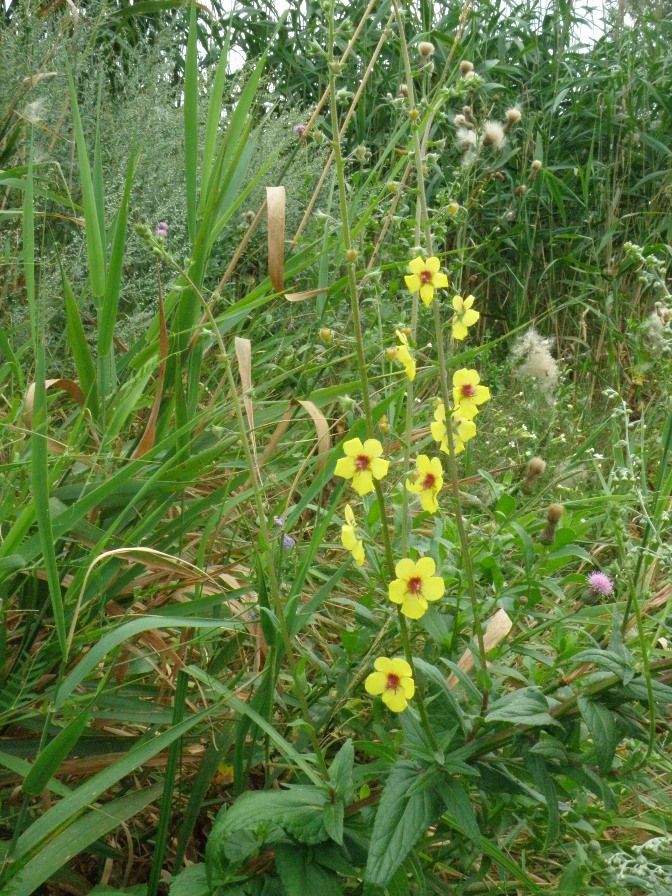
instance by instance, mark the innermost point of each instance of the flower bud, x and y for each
(426, 49)
(351, 255)
(535, 469)
(553, 516)
(466, 67)
(453, 208)
(414, 114)
(326, 335)
(391, 352)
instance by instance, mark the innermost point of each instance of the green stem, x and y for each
(361, 356)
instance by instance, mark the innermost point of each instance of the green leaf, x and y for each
(192, 881)
(50, 759)
(333, 817)
(340, 773)
(94, 238)
(602, 726)
(526, 706)
(191, 121)
(618, 665)
(458, 808)
(401, 820)
(537, 768)
(63, 847)
(301, 876)
(81, 353)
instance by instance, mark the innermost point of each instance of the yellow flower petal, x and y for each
(362, 480)
(375, 683)
(379, 467)
(396, 591)
(427, 293)
(470, 317)
(413, 282)
(349, 515)
(433, 264)
(458, 303)
(417, 266)
(440, 281)
(395, 700)
(425, 567)
(414, 607)
(405, 569)
(433, 588)
(459, 330)
(345, 467)
(353, 447)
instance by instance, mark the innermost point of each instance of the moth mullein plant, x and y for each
(362, 463)
(425, 278)
(392, 681)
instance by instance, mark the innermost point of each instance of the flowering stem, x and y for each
(441, 359)
(361, 357)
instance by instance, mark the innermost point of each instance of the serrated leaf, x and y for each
(193, 881)
(300, 875)
(527, 706)
(458, 808)
(602, 727)
(401, 820)
(333, 817)
(340, 773)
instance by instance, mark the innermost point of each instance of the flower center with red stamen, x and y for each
(415, 585)
(429, 481)
(425, 277)
(362, 462)
(468, 391)
(393, 681)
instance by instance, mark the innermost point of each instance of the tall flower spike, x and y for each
(428, 482)
(393, 681)
(362, 463)
(415, 585)
(425, 277)
(404, 355)
(465, 316)
(349, 539)
(463, 429)
(467, 393)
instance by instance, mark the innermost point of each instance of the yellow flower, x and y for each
(348, 538)
(393, 680)
(425, 277)
(362, 463)
(463, 429)
(467, 393)
(428, 482)
(404, 355)
(415, 585)
(465, 316)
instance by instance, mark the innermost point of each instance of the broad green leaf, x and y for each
(401, 820)
(340, 772)
(458, 808)
(600, 722)
(192, 881)
(541, 777)
(333, 818)
(526, 706)
(301, 874)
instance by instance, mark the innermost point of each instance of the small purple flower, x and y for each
(288, 542)
(278, 521)
(162, 230)
(299, 130)
(600, 583)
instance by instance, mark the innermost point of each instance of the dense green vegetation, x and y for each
(267, 624)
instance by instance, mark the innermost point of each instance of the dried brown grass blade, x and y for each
(147, 440)
(497, 630)
(306, 294)
(275, 201)
(69, 386)
(322, 429)
(244, 356)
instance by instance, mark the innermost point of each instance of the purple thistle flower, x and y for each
(288, 542)
(600, 583)
(162, 230)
